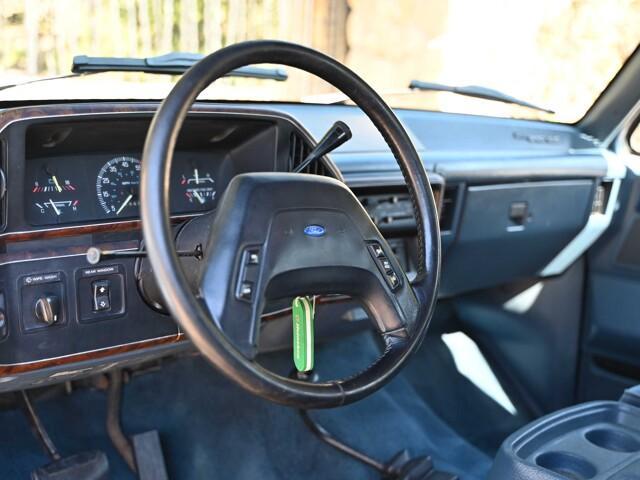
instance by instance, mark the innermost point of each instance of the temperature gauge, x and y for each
(57, 208)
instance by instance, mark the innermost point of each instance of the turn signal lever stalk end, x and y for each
(338, 134)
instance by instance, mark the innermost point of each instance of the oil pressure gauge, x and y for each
(197, 190)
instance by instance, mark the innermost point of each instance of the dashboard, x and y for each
(503, 187)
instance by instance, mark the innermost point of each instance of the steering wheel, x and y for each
(278, 235)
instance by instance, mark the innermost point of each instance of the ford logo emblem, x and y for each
(314, 230)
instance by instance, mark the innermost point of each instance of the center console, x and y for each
(597, 440)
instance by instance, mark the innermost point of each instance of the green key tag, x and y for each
(303, 311)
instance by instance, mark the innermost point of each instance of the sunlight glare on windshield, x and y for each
(556, 53)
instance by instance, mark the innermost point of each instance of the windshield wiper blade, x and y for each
(477, 92)
(173, 63)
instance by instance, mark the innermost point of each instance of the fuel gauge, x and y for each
(49, 183)
(52, 198)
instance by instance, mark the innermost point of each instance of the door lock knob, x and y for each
(48, 309)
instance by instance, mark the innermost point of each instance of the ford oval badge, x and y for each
(314, 230)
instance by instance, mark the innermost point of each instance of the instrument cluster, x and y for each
(75, 188)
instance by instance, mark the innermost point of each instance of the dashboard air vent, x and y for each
(390, 211)
(299, 148)
(391, 208)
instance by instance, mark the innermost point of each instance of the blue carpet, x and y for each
(464, 407)
(209, 428)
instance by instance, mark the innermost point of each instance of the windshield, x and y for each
(558, 54)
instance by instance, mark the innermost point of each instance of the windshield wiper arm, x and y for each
(477, 92)
(173, 63)
(38, 80)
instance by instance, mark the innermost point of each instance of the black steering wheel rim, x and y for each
(192, 315)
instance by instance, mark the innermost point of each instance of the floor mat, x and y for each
(209, 428)
(463, 406)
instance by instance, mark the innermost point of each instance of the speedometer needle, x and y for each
(55, 209)
(124, 204)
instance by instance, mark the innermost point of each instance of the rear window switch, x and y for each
(101, 290)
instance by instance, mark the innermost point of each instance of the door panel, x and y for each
(611, 337)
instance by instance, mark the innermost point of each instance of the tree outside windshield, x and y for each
(558, 54)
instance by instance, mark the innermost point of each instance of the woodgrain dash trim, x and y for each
(109, 227)
(17, 368)
(92, 355)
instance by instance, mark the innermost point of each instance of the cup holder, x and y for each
(613, 439)
(566, 464)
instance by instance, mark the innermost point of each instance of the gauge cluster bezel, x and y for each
(74, 189)
(110, 121)
(218, 146)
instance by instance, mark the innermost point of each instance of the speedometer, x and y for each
(118, 185)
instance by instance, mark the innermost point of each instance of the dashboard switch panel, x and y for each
(42, 301)
(100, 293)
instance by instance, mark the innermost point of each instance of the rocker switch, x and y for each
(101, 290)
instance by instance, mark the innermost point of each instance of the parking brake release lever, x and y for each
(335, 136)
